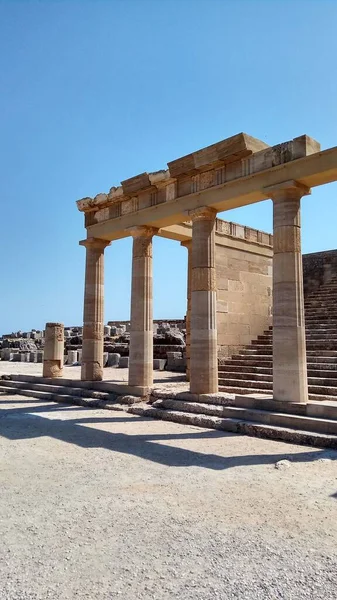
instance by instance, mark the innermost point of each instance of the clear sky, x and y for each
(96, 92)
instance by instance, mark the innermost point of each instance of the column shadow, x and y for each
(27, 423)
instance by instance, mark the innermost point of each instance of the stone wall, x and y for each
(318, 268)
(244, 285)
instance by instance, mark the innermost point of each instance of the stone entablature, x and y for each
(238, 171)
(236, 157)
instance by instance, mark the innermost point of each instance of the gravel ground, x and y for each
(101, 505)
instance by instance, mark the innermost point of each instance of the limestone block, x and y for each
(124, 362)
(72, 357)
(107, 330)
(39, 356)
(105, 359)
(159, 364)
(113, 359)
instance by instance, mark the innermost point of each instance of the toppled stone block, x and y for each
(113, 359)
(159, 364)
(39, 357)
(72, 357)
(124, 362)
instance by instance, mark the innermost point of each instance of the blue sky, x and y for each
(95, 92)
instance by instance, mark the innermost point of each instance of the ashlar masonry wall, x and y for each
(318, 269)
(244, 285)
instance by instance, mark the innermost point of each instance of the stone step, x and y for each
(244, 368)
(261, 378)
(242, 362)
(262, 384)
(314, 336)
(267, 347)
(239, 426)
(65, 394)
(313, 359)
(324, 320)
(320, 314)
(259, 351)
(322, 353)
(321, 336)
(323, 381)
(324, 327)
(58, 389)
(49, 397)
(294, 421)
(247, 383)
(266, 360)
(243, 391)
(266, 373)
(256, 359)
(102, 386)
(324, 390)
(258, 376)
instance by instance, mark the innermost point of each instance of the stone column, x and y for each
(93, 313)
(290, 383)
(141, 326)
(188, 245)
(204, 351)
(53, 350)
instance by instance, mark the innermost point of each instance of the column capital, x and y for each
(287, 190)
(187, 244)
(142, 231)
(203, 213)
(95, 243)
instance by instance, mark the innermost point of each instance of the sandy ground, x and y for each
(99, 504)
(162, 379)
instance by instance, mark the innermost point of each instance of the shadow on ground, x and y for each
(25, 422)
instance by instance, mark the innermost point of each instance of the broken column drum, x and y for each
(53, 350)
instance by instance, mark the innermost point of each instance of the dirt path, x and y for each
(101, 505)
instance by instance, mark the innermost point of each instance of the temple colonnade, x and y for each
(289, 353)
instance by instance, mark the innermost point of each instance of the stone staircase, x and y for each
(97, 394)
(251, 370)
(314, 424)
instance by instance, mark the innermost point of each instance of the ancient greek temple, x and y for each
(182, 203)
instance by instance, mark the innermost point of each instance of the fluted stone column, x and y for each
(188, 245)
(204, 359)
(93, 314)
(290, 383)
(141, 326)
(53, 357)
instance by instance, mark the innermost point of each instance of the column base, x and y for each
(52, 369)
(91, 371)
